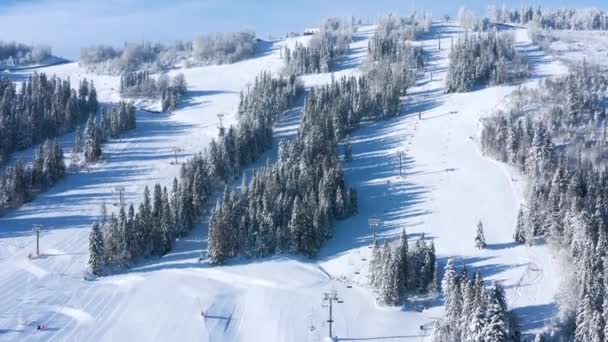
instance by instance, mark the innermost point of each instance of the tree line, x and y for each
(139, 84)
(473, 313)
(291, 206)
(483, 58)
(561, 146)
(559, 18)
(227, 47)
(393, 35)
(43, 108)
(396, 272)
(21, 182)
(151, 230)
(332, 41)
(118, 241)
(14, 54)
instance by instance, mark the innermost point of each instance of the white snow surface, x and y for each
(448, 185)
(574, 46)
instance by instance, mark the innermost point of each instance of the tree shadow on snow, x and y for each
(71, 199)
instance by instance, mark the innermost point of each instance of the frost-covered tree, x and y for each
(332, 41)
(449, 287)
(519, 234)
(481, 59)
(96, 250)
(92, 148)
(480, 239)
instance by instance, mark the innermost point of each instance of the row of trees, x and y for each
(113, 121)
(566, 199)
(481, 59)
(558, 19)
(227, 47)
(212, 48)
(15, 54)
(473, 313)
(19, 183)
(291, 206)
(467, 19)
(43, 108)
(153, 228)
(393, 35)
(259, 108)
(395, 272)
(333, 40)
(140, 84)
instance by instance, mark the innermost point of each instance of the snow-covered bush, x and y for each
(205, 49)
(227, 47)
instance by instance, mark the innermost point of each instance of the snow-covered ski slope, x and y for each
(448, 186)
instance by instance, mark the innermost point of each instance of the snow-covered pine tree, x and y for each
(450, 289)
(77, 147)
(96, 250)
(167, 225)
(477, 325)
(92, 149)
(388, 275)
(496, 328)
(218, 238)
(401, 256)
(375, 266)
(520, 235)
(480, 239)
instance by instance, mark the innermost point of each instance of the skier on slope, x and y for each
(203, 314)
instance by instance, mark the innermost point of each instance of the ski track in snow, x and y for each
(448, 186)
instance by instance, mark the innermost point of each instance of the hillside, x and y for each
(448, 185)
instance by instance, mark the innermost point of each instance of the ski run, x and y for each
(447, 186)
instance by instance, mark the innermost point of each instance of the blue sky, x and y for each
(67, 25)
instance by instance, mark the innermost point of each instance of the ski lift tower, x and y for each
(328, 299)
(374, 223)
(36, 231)
(121, 190)
(401, 154)
(176, 150)
(220, 116)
